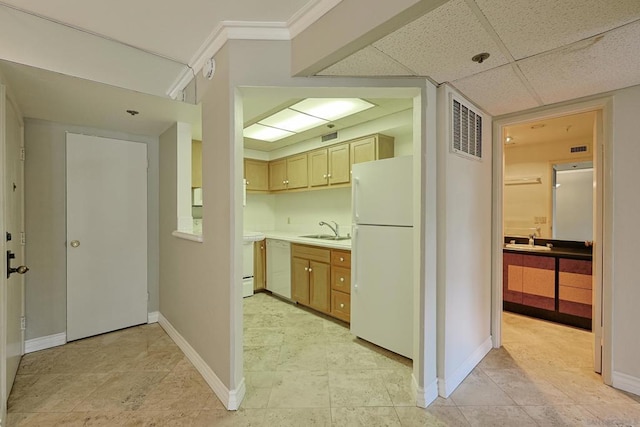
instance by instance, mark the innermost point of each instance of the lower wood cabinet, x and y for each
(321, 279)
(259, 265)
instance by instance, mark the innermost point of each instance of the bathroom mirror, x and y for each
(572, 189)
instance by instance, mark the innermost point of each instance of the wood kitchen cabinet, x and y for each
(288, 173)
(256, 173)
(310, 276)
(329, 166)
(341, 284)
(370, 148)
(259, 265)
(196, 164)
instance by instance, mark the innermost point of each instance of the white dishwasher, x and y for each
(279, 267)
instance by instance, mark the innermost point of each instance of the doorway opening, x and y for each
(549, 288)
(316, 349)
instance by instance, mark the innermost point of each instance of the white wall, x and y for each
(45, 217)
(626, 239)
(464, 254)
(260, 212)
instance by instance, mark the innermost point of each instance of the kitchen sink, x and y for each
(326, 237)
(526, 247)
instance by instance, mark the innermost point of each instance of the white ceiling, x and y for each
(564, 128)
(542, 51)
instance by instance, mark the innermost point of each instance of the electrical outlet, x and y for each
(539, 219)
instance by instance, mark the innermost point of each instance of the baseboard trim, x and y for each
(231, 399)
(424, 396)
(447, 385)
(153, 317)
(626, 382)
(43, 343)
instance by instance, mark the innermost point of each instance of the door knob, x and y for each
(10, 270)
(75, 243)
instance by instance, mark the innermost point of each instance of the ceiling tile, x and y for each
(600, 64)
(366, 62)
(441, 43)
(530, 27)
(497, 91)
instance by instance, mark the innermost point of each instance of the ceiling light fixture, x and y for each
(304, 115)
(508, 140)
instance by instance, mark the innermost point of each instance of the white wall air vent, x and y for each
(579, 149)
(466, 130)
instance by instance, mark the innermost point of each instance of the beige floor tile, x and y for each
(261, 358)
(43, 419)
(256, 398)
(375, 416)
(122, 391)
(398, 383)
(36, 362)
(306, 389)
(264, 379)
(524, 390)
(618, 414)
(259, 337)
(157, 419)
(305, 336)
(432, 416)
(493, 416)
(95, 418)
(478, 390)
(302, 357)
(359, 388)
(224, 418)
(308, 417)
(560, 416)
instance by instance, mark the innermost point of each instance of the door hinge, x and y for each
(23, 238)
(23, 323)
(22, 154)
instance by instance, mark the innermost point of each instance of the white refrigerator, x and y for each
(382, 253)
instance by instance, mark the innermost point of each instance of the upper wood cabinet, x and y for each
(256, 172)
(329, 166)
(288, 173)
(196, 164)
(374, 147)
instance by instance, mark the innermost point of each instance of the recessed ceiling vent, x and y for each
(466, 128)
(579, 149)
(329, 136)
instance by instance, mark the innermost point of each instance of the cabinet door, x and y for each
(300, 280)
(297, 171)
(256, 173)
(339, 166)
(512, 267)
(341, 305)
(318, 168)
(319, 286)
(539, 282)
(259, 265)
(363, 150)
(278, 175)
(196, 164)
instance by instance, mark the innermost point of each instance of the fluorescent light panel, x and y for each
(306, 114)
(331, 108)
(292, 121)
(265, 133)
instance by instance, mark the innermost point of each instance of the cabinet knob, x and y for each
(284, 182)
(306, 269)
(342, 279)
(341, 305)
(324, 176)
(341, 259)
(329, 175)
(248, 182)
(261, 246)
(310, 270)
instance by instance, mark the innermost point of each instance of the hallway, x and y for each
(302, 369)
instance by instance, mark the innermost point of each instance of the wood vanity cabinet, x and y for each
(329, 166)
(310, 276)
(370, 148)
(341, 284)
(288, 173)
(256, 173)
(259, 265)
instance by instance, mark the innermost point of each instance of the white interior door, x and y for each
(12, 198)
(106, 235)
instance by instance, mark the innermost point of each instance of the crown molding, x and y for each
(248, 30)
(309, 14)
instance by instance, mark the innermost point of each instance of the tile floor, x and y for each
(306, 370)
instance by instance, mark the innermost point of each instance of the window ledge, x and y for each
(187, 236)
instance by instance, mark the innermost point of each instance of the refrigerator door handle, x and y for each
(354, 266)
(356, 182)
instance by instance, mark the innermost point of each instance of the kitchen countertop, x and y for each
(295, 238)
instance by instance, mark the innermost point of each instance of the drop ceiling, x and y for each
(542, 51)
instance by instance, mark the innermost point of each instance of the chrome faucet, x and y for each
(335, 229)
(532, 239)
